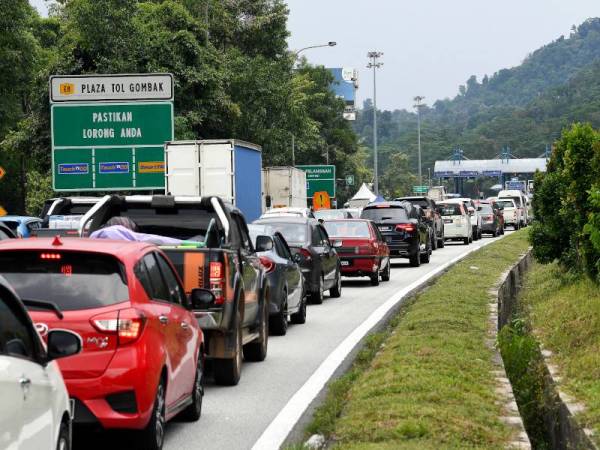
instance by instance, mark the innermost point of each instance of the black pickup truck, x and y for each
(218, 255)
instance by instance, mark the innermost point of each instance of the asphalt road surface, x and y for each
(236, 417)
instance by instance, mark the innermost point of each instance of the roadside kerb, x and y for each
(288, 425)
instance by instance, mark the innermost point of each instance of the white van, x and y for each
(510, 212)
(457, 221)
(520, 200)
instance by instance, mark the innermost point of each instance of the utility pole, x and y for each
(374, 64)
(418, 105)
(293, 150)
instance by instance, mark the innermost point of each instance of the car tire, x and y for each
(434, 242)
(153, 436)
(316, 296)
(375, 279)
(471, 239)
(256, 351)
(193, 412)
(336, 290)
(299, 317)
(415, 260)
(441, 243)
(278, 322)
(425, 258)
(64, 438)
(385, 276)
(466, 241)
(227, 372)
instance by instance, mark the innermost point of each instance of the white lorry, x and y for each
(283, 187)
(521, 203)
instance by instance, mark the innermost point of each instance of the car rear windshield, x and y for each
(328, 214)
(487, 209)
(517, 200)
(294, 233)
(13, 225)
(378, 214)
(506, 203)
(417, 201)
(72, 280)
(450, 210)
(347, 229)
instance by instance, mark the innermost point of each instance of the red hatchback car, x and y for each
(362, 249)
(142, 349)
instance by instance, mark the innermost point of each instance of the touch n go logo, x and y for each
(67, 88)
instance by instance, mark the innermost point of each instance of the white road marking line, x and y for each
(281, 426)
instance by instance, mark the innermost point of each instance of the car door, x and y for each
(250, 270)
(164, 316)
(381, 246)
(185, 333)
(330, 256)
(31, 387)
(292, 272)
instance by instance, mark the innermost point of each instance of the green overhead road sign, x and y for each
(349, 180)
(420, 189)
(319, 179)
(100, 143)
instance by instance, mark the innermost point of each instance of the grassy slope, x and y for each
(429, 386)
(565, 312)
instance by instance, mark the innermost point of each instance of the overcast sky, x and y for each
(430, 46)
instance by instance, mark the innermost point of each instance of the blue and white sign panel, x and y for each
(74, 169)
(113, 167)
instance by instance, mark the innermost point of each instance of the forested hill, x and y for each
(524, 107)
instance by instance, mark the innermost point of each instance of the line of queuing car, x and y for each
(136, 326)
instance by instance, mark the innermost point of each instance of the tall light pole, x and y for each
(374, 64)
(418, 105)
(296, 53)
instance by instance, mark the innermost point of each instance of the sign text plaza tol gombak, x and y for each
(108, 131)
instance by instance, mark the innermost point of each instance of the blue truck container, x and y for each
(227, 168)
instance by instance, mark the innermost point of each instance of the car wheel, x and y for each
(385, 276)
(278, 323)
(257, 350)
(299, 317)
(316, 296)
(434, 242)
(466, 241)
(153, 436)
(227, 372)
(427, 256)
(441, 243)
(415, 261)
(336, 290)
(64, 440)
(375, 278)
(494, 233)
(193, 412)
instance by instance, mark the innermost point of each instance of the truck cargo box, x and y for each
(284, 186)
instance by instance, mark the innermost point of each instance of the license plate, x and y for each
(447, 220)
(345, 263)
(385, 228)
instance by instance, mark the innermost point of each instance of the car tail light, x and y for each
(365, 249)
(408, 227)
(305, 254)
(267, 263)
(50, 256)
(217, 281)
(127, 324)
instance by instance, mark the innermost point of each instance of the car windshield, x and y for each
(506, 203)
(294, 233)
(384, 213)
(347, 228)
(12, 224)
(450, 209)
(328, 214)
(72, 280)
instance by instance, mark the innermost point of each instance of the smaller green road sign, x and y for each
(319, 179)
(349, 180)
(420, 189)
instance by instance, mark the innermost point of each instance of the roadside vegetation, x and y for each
(428, 384)
(563, 310)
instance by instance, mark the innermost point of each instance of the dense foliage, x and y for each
(234, 78)
(566, 215)
(524, 108)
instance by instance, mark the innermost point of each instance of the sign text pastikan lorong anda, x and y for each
(104, 140)
(319, 179)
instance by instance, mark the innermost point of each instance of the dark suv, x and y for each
(405, 228)
(433, 217)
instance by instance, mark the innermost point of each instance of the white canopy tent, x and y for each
(363, 197)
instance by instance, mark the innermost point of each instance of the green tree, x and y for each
(397, 180)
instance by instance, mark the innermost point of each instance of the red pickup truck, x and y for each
(219, 256)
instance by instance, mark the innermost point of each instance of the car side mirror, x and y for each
(62, 343)
(336, 243)
(264, 243)
(201, 298)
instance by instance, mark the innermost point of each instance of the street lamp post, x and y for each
(418, 105)
(374, 64)
(296, 53)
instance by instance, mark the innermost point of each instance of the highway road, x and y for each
(236, 417)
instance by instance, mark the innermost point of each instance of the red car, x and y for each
(142, 349)
(362, 249)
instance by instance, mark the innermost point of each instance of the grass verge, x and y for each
(564, 311)
(426, 382)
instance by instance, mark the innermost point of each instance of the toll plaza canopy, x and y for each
(487, 167)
